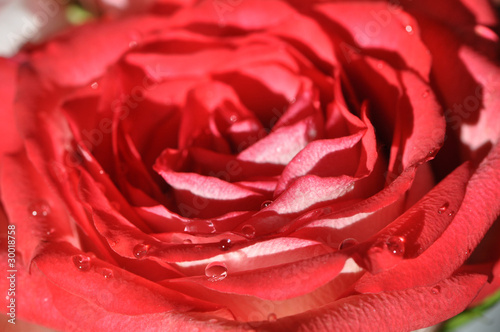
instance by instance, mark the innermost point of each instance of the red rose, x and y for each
(254, 165)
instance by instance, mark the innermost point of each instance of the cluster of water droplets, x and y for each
(444, 208)
(82, 262)
(39, 209)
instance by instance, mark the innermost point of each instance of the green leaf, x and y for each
(77, 15)
(470, 314)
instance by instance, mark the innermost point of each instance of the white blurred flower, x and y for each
(116, 7)
(23, 21)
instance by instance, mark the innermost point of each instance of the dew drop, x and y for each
(101, 171)
(94, 85)
(436, 290)
(39, 209)
(396, 245)
(409, 29)
(199, 227)
(265, 204)
(248, 231)
(327, 210)
(312, 133)
(134, 39)
(347, 243)
(187, 241)
(225, 244)
(51, 231)
(425, 94)
(292, 101)
(443, 208)
(107, 273)
(272, 317)
(113, 243)
(82, 262)
(212, 320)
(216, 271)
(451, 213)
(233, 118)
(141, 250)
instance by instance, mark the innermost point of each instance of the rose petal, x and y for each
(381, 26)
(112, 39)
(479, 209)
(404, 310)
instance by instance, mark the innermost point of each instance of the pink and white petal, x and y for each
(210, 196)
(279, 282)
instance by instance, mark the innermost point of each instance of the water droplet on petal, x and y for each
(216, 271)
(82, 262)
(212, 320)
(94, 85)
(200, 227)
(233, 118)
(272, 317)
(327, 210)
(293, 100)
(312, 133)
(451, 213)
(51, 231)
(265, 204)
(101, 171)
(39, 209)
(409, 29)
(425, 94)
(443, 208)
(113, 243)
(225, 244)
(187, 241)
(347, 243)
(396, 245)
(248, 231)
(436, 290)
(107, 273)
(141, 250)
